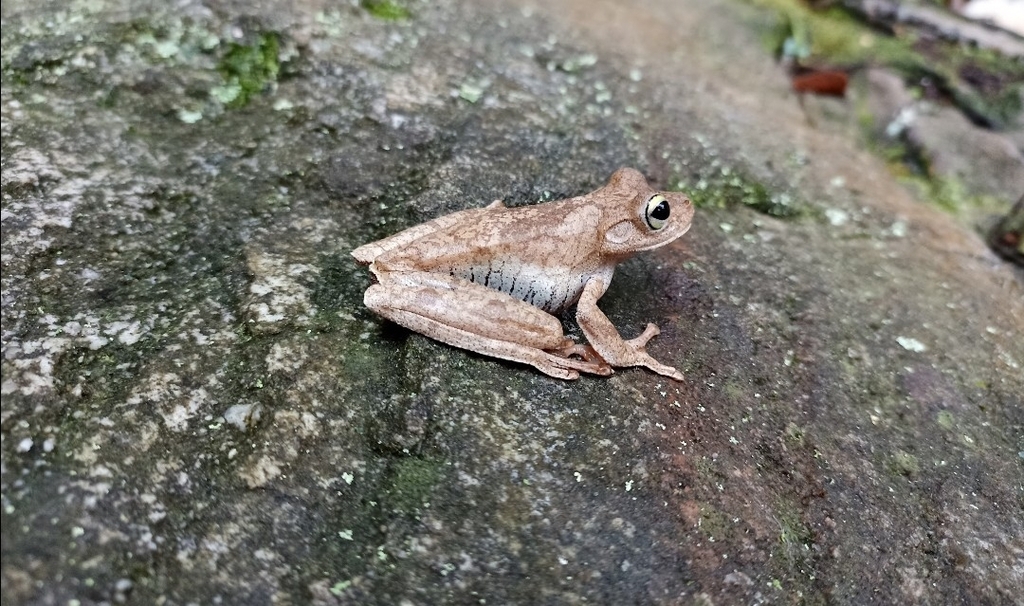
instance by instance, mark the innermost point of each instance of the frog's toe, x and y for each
(649, 333)
(594, 367)
(586, 351)
(601, 370)
(557, 372)
(664, 370)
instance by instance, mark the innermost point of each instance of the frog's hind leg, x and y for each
(467, 315)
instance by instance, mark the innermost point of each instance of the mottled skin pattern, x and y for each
(489, 279)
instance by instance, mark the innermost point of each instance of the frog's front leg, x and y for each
(605, 339)
(460, 313)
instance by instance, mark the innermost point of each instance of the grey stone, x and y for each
(167, 256)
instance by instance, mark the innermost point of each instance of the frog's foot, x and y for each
(637, 344)
(591, 361)
(606, 340)
(588, 353)
(558, 364)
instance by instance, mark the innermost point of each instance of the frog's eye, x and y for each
(656, 213)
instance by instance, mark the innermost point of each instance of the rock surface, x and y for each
(982, 161)
(198, 409)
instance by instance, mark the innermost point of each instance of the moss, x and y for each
(248, 70)
(794, 434)
(705, 468)
(727, 189)
(794, 536)
(387, 10)
(734, 392)
(950, 194)
(914, 169)
(831, 34)
(412, 482)
(983, 84)
(340, 286)
(945, 419)
(714, 523)
(904, 463)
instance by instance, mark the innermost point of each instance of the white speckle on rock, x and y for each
(26, 167)
(164, 393)
(95, 342)
(911, 344)
(261, 472)
(25, 445)
(739, 578)
(304, 424)
(177, 419)
(131, 334)
(101, 471)
(242, 416)
(189, 117)
(837, 217)
(1009, 360)
(284, 358)
(72, 328)
(277, 293)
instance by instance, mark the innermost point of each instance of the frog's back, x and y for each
(368, 253)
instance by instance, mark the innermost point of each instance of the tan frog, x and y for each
(489, 279)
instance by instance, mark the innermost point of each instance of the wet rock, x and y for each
(985, 161)
(197, 407)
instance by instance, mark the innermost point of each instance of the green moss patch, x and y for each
(983, 84)
(248, 69)
(728, 189)
(412, 482)
(386, 10)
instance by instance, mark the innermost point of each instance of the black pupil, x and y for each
(660, 211)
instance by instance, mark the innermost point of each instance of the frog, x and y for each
(494, 279)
